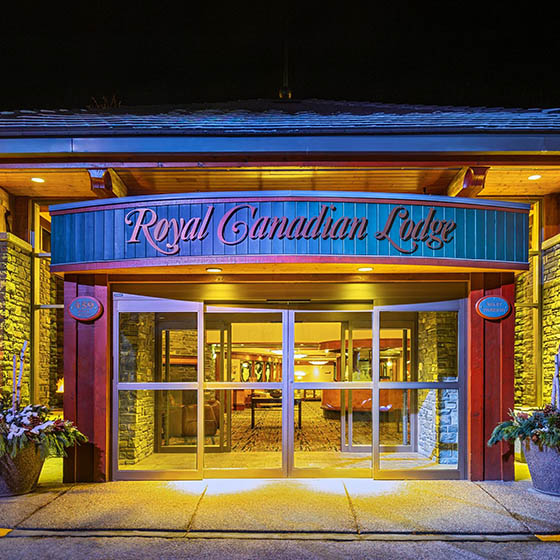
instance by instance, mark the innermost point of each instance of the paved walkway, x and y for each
(336, 509)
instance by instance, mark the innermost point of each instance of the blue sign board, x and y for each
(493, 307)
(289, 226)
(85, 308)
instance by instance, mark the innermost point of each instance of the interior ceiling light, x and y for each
(37, 180)
(365, 269)
(534, 177)
(318, 362)
(213, 269)
(279, 352)
(299, 356)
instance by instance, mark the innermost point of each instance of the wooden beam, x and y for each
(138, 161)
(469, 182)
(21, 219)
(550, 216)
(106, 183)
(115, 184)
(5, 209)
(97, 183)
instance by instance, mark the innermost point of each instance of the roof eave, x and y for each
(479, 142)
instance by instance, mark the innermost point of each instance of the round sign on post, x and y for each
(493, 308)
(85, 308)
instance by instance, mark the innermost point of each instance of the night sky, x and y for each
(390, 52)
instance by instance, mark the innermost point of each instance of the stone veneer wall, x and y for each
(15, 320)
(438, 413)
(136, 408)
(524, 353)
(15, 307)
(551, 311)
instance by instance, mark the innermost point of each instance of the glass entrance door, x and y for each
(419, 375)
(331, 393)
(158, 369)
(244, 392)
(224, 392)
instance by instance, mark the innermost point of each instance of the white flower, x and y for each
(15, 431)
(41, 427)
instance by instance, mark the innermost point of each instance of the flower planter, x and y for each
(20, 474)
(544, 466)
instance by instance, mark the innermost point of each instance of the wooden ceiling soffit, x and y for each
(106, 183)
(468, 182)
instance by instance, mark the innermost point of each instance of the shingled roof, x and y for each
(270, 117)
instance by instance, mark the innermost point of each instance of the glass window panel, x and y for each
(437, 346)
(158, 347)
(247, 430)
(157, 430)
(332, 347)
(419, 429)
(419, 346)
(243, 347)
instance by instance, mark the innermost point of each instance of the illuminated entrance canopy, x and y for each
(295, 226)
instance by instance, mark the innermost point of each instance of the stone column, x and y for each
(15, 308)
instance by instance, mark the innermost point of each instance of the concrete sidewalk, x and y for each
(303, 508)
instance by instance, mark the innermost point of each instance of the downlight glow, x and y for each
(365, 269)
(37, 180)
(534, 177)
(213, 269)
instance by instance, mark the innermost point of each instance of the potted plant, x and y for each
(28, 434)
(539, 433)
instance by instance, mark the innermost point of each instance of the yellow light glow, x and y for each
(534, 177)
(213, 269)
(365, 269)
(37, 180)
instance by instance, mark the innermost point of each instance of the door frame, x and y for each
(138, 304)
(231, 385)
(127, 303)
(326, 472)
(461, 385)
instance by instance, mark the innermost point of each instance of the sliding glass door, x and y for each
(230, 392)
(331, 394)
(244, 392)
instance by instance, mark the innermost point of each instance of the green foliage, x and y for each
(33, 424)
(542, 427)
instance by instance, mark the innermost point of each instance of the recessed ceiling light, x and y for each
(213, 269)
(534, 177)
(37, 180)
(365, 269)
(318, 362)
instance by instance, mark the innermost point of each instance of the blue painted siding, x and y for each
(98, 233)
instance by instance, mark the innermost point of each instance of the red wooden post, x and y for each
(491, 372)
(508, 372)
(86, 381)
(476, 381)
(70, 392)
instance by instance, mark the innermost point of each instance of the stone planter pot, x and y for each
(544, 466)
(20, 474)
